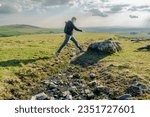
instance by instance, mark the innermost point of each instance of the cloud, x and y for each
(102, 8)
(104, 0)
(50, 11)
(140, 8)
(97, 12)
(117, 8)
(54, 2)
(15, 6)
(8, 9)
(133, 16)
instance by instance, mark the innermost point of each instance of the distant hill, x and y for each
(116, 29)
(21, 29)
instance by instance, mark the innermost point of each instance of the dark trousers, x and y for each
(67, 38)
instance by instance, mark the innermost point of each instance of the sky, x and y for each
(89, 13)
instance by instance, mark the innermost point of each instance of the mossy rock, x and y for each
(105, 47)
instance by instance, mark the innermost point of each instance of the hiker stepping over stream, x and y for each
(68, 30)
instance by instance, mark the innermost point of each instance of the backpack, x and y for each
(67, 28)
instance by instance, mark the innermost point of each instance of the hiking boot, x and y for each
(81, 51)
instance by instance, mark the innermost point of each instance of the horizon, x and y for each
(90, 13)
(80, 27)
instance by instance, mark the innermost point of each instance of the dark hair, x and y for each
(74, 18)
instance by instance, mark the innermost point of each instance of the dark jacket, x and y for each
(69, 27)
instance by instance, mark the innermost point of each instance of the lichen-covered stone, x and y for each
(105, 47)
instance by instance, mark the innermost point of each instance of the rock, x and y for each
(70, 76)
(53, 90)
(40, 96)
(87, 91)
(74, 51)
(116, 93)
(80, 98)
(134, 90)
(76, 76)
(76, 83)
(105, 47)
(134, 80)
(144, 88)
(93, 83)
(112, 65)
(100, 90)
(44, 84)
(92, 75)
(79, 81)
(74, 88)
(90, 96)
(125, 97)
(146, 47)
(59, 74)
(61, 82)
(67, 95)
(52, 98)
(52, 86)
(137, 89)
(56, 96)
(73, 91)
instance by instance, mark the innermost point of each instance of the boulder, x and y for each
(52, 86)
(76, 76)
(134, 90)
(137, 89)
(90, 96)
(105, 47)
(87, 91)
(146, 47)
(40, 96)
(92, 75)
(92, 83)
(67, 95)
(73, 90)
(101, 90)
(125, 97)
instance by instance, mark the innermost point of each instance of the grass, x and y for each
(16, 30)
(27, 59)
(141, 35)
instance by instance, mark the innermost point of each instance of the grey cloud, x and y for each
(133, 16)
(144, 6)
(96, 12)
(14, 6)
(117, 8)
(54, 2)
(104, 0)
(8, 9)
(140, 8)
(110, 10)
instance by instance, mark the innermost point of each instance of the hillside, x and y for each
(117, 29)
(27, 62)
(21, 29)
